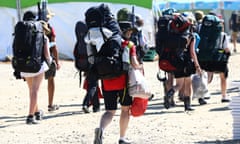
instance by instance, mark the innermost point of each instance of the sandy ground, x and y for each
(211, 123)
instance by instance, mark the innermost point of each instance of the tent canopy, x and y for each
(198, 4)
(28, 3)
(67, 13)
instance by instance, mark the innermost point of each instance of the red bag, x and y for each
(85, 86)
(139, 106)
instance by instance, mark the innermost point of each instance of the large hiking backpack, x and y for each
(108, 60)
(171, 42)
(80, 49)
(28, 46)
(210, 34)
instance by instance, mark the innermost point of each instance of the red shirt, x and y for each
(120, 82)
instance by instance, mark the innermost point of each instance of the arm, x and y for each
(54, 49)
(133, 58)
(194, 56)
(47, 51)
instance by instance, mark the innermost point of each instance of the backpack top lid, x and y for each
(179, 24)
(211, 20)
(169, 11)
(94, 17)
(29, 15)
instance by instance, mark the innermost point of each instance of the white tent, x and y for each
(66, 15)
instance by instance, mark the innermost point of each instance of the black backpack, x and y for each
(28, 46)
(80, 49)
(163, 31)
(108, 62)
(171, 42)
(210, 34)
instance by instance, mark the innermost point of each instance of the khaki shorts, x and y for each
(235, 34)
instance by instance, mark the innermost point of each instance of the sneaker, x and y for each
(53, 108)
(39, 115)
(168, 98)
(96, 110)
(235, 50)
(30, 120)
(124, 141)
(225, 100)
(85, 109)
(98, 136)
(202, 101)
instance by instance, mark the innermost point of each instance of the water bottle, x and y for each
(126, 58)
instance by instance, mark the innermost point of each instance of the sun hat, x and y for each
(50, 14)
(45, 26)
(29, 15)
(199, 15)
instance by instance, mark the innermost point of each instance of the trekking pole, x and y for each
(42, 10)
(18, 4)
(133, 15)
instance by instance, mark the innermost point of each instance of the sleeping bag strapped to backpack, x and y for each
(171, 42)
(28, 46)
(210, 34)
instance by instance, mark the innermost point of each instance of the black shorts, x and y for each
(111, 99)
(215, 67)
(52, 71)
(186, 71)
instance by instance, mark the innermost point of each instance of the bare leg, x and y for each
(106, 118)
(124, 120)
(51, 89)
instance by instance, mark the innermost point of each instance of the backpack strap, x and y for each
(104, 36)
(224, 37)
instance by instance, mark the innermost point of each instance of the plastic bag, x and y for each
(199, 85)
(137, 84)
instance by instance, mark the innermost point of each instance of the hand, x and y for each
(198, 70)
(57, 65)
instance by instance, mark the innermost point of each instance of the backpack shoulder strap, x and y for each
(224, 37)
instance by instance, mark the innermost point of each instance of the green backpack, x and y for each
(210, 34)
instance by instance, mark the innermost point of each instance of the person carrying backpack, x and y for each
(177, 55)
(82, 64)
(51, 73)
(214, 51)
(40, 45)
(166, 77)
(115, 91)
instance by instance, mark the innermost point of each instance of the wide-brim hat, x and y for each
(50, 14)
(126, 25)
(45, 26)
